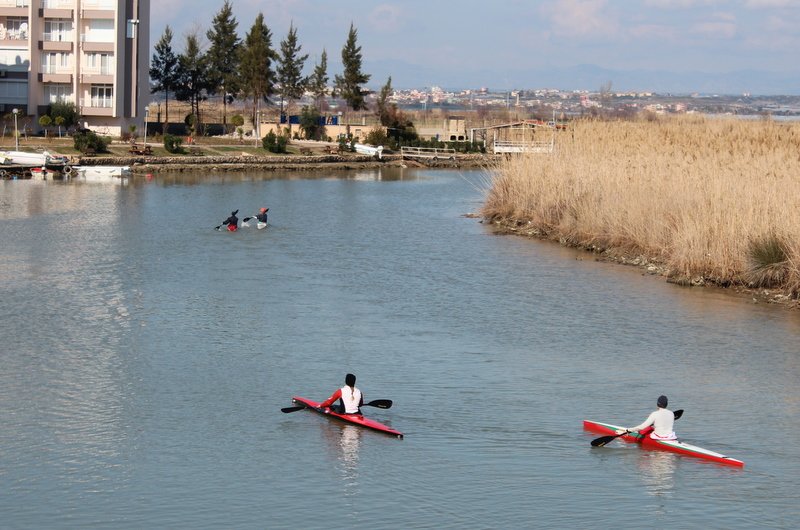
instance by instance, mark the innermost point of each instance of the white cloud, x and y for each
(580, 18)
(679, 4)
(766, 4)
(715, 30)
(386, 17)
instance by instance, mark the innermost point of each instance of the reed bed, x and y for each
(712, 198)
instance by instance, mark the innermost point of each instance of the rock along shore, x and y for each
(153, 164)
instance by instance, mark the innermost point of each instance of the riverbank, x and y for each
(155, 164)
(700, 202)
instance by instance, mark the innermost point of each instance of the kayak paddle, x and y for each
(603, 440)
(379, 403)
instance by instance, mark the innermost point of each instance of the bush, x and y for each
(274, 143)
(86, 140)
(173, 143)
(377, 136)
(768, 262)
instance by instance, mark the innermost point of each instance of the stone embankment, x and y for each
(152, 164)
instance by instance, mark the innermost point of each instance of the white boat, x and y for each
(364, 149)
(100, 173)
(22, 158)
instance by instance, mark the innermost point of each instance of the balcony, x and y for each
(56, 41)
(50, 73)
(97, 107)
(98, 76)
(14, 36)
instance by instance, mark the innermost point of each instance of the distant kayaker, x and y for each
(350, 398)
(658, 424)
(262, 215)
(232, 221)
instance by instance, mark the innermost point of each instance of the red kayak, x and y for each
(232, 228)
(666, 445)
(356, 419)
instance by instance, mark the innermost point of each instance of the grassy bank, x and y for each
(714, 199)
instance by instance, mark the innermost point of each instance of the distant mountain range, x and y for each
(586, 77)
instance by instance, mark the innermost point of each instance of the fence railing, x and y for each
(428, 152)
(510, 146)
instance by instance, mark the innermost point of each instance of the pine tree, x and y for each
(164, 70)
(318, 83)
(383, 107)
(257, 76)
(349, 83)
(223, 56)
(193, 76)
(290, 69)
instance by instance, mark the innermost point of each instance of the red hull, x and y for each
(355, 419)
(673, 446)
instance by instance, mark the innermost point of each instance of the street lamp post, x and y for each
(146, 115)
(16, 132)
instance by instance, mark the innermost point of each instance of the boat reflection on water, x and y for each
(344, 443)
(657, 473)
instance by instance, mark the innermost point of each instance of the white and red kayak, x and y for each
(356, 419)
(674, 446)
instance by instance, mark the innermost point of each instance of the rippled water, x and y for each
(146, 356)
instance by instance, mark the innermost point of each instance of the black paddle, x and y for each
(603, 440)
(379, 403)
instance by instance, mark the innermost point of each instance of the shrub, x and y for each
(274, 143)
(377, 136)
(768, 262)
(173, 143)
(87, 140)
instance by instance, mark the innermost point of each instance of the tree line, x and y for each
(251, 69)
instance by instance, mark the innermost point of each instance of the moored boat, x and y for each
(674, 446)
(355, 419)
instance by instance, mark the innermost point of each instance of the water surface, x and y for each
(146, 356)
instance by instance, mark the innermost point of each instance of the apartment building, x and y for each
(93, 53)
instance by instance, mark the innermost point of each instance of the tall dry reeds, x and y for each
(699, 194)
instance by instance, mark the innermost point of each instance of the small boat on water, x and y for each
(355, 419)
(673, 446)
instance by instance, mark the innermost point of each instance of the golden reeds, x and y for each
(698, 194)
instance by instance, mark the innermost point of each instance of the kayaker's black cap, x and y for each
(662, 402)
(350, 380)
(234, 213)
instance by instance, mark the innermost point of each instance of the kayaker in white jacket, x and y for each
(661, 421)
(350, 398)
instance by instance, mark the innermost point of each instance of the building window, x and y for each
(99, 63)
(54, 62)
(57, 30)
(55, 92)
(102, 96)
(16, 28)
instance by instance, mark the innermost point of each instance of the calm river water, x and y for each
(146, 356)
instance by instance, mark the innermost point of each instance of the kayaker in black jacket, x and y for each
(262, 215)
(350, 398)
(232, 221)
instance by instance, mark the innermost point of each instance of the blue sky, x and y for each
(510, 43)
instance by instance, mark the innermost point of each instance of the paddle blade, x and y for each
(600, 442)
(379, 403)
(246, 219)
(287, 410)
(678, 413)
